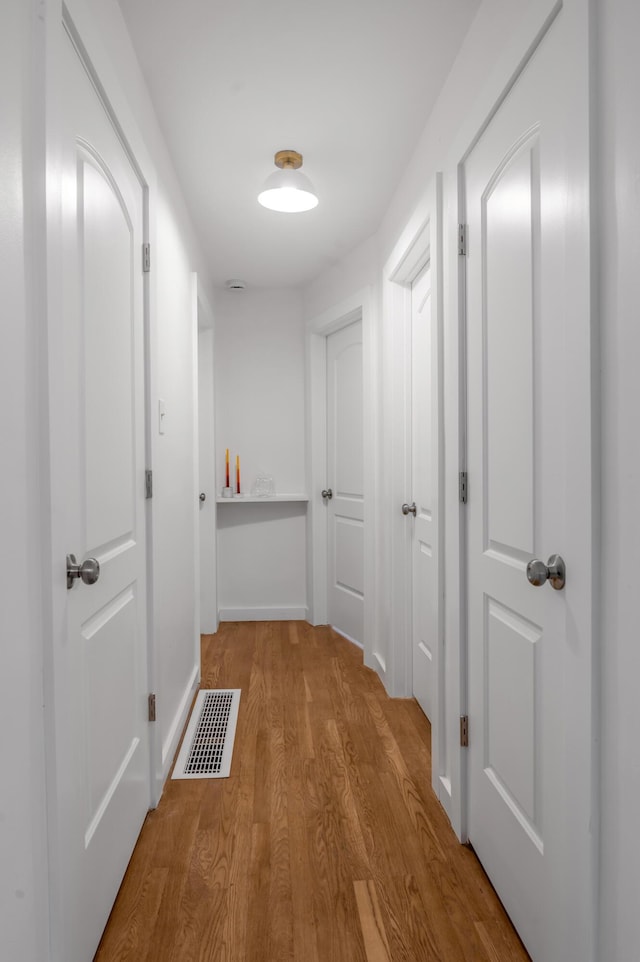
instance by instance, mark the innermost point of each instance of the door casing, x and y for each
(345, 508)
(357, 307)
(420, 242)
(207, 605)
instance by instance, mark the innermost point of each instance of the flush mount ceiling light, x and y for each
(288, 189)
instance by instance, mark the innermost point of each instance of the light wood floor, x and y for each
(326, 844)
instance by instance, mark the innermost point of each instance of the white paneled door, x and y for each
(528, 410)
(102, 767)
(424, 485)
(345, 481)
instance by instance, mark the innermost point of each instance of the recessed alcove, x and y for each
(259, 410)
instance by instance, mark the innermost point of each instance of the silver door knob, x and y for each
(553, 571)
(203, 496)
(88, 572)
(409, 508)
(327, 494)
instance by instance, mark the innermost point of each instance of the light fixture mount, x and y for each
(288, 159)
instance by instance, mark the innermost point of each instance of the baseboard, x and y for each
(170, 744)
(347, 637)
(380, 664)
(442, 789)
(263, 614)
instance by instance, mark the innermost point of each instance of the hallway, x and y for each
(326, 844)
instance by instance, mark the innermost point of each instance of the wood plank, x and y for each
(305, 942)
(371, 922)
(127, 934)
(326, 843)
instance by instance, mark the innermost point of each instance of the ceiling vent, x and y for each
(235, 284)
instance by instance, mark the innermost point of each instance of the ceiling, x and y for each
(348, 83)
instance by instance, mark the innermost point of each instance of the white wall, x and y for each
(259, 375)
(355, 271)
(23, 845)
(619, 184)
(476, 75)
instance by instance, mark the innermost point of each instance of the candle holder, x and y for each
(227, 492)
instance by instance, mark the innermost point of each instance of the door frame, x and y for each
(485, 101)
(420, 244)
(358, 307)
(205, 344)
(577, 864)
(73, 17)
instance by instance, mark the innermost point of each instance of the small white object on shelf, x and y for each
(263, 486)
(226, 493)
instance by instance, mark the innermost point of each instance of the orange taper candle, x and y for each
(227, 466)
(237, 474)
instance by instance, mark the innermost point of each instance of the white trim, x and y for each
(207, 522)
(206, 316)
(381, 664)
(150, 375)
(455, 460)
(206, 325)
(196, 465)
(347, 637)
(263, 614)
(170, 744)
(396, 312)
(104, 73)
(357, 307)
(420, 242)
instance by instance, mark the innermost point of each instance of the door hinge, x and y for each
(152, 708)
(146, 258)
(463, 487)
(148, 484)
(464, 731)
(462, 239)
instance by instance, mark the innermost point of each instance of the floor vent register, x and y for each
(207, 747)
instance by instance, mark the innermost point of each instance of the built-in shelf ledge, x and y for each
(270, 498)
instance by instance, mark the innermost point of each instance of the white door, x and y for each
(345, 481)
(528, 408)
(102, 767)
(424, 485)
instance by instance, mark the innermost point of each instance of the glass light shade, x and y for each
(289, 191)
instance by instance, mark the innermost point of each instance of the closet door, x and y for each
(345, 482)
